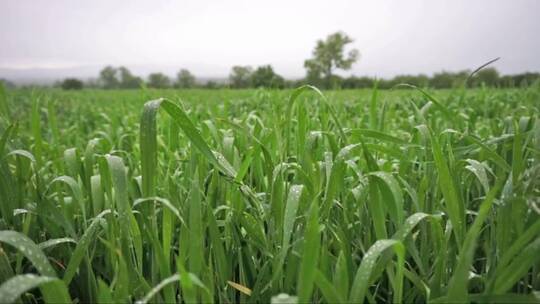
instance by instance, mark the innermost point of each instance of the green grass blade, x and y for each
(457, 289)
(310, 256)
(455, 208)
(328, 290)
(30, 250)
(363, 274)
(54, 291)
(82, 247)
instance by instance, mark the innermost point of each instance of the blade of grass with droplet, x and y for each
(163, 201)
(476, 168)
(195, 225)
(75, 190)
(496, 158)
(71, 161)
(30, 250)
(410, 223)
(457, 287)
(88, 167)
(148, 145)
(98, 196)
(54, 242)
(81, 249)
(223, 263)
(23, 153)
(341, 275)
(154, 291)
(310, 255)
(454, 205)
(363, 274)
(121, 280)
(53, 289)
(291, 207)
(244, 167)
(377, 210)
(390, 189)
(119, 183)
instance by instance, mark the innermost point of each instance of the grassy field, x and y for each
(238, 196)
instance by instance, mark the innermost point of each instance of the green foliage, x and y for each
(265, 77)
(271, 196)
(108, 77)
(128, 80)
(158, 81)
(118, 78)
(328, 55)
(72, 84)
(240, 76)
(185, 80)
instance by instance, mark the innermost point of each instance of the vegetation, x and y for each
(243, 195)
(158, 81)
(185, 80)
(240, 76)
(265, 77)
(329, 55)
(72, 84)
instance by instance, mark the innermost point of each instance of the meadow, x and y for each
(282, 196)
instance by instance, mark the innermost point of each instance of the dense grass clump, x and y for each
(270, 196)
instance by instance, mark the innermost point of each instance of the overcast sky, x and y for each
(208, 37)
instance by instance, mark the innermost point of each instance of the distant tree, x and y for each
(158, 81)
(445, 80)
(488, 76)
(240, 76)
(92, 83)
(506, 81)
(264, 76)
(354, 82)
(210, 84)
(460, 78)
(525, 79)
(109, 78)
(72, 84)
(128, 80)
(328, 55)
(415, 80)
(185, 80)
(442, 80)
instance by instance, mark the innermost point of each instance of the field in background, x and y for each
(241, 195)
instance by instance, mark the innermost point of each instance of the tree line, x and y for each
(243, 77)
(328, 56)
